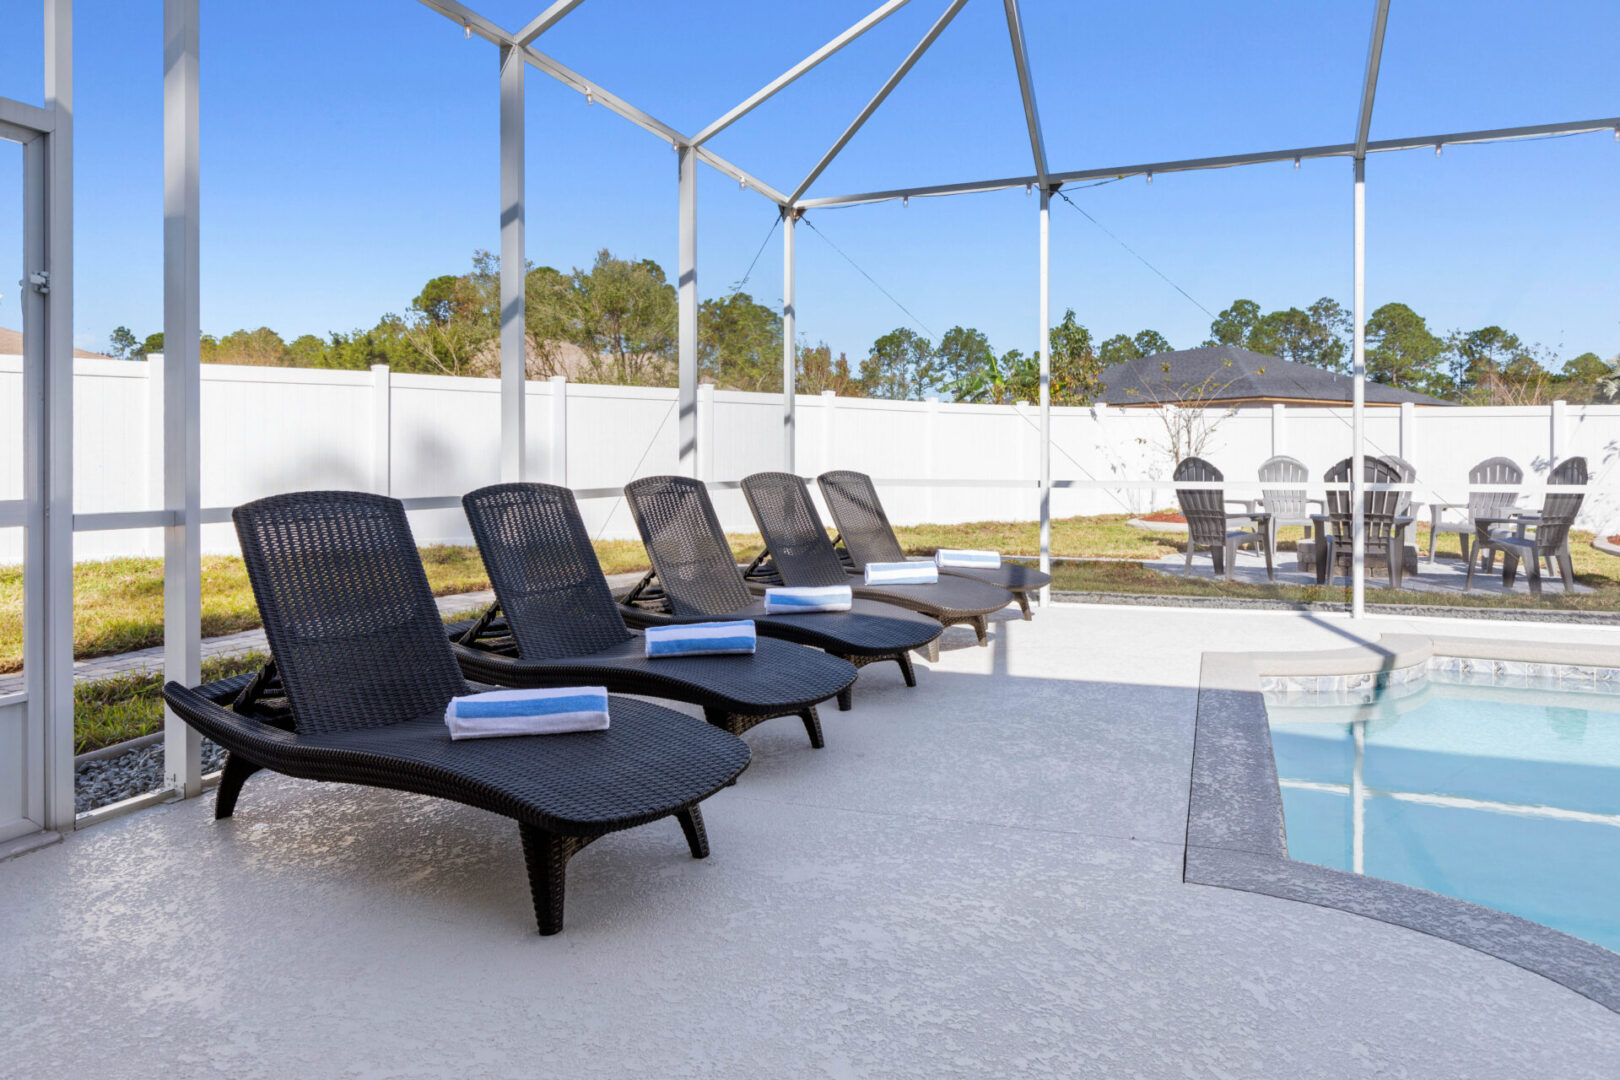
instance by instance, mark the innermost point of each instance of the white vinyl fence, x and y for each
(266, 430)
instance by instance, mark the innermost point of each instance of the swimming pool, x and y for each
(1502, 789)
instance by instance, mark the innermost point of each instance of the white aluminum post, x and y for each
(1044, 344)
(1409, 432)
(1358, 404)
(49, 246)
(182, 377)
(382, 423)
(559, 430)
(829, 429)
(687, 311)
(789, 355)
(514, 353)
(1557, 432)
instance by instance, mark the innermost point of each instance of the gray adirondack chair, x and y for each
(1283, 494)
(1538, 538)
(1209, 525)
(1480, 504)
(1385, 525)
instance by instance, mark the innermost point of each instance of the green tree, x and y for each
(740, 344)
(305, 351)
(964, 357)
(1122, 348)
(901, 365)
(1075, 364)
(1402, 352)
(122, 345)
(1236, 325)
(1490, 362)
(254, 348)
(1318, 336)
(153, 345)
(626, 321)
(1586, 368)
(817, 371)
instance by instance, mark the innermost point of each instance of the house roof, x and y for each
(11, 344)
(1228, 374)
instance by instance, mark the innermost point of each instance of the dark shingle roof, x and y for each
(1226, 373)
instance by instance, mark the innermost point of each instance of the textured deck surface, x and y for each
(979, 877)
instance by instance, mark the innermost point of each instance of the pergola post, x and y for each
(1044, 344)
(687, 311)
(789, 353)
(182, 379)
(514, 264)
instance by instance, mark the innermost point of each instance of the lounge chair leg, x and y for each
(1023, 602)
(981, 627)
(907, 672)
(237, 770)
(845, 698)
(547, 855)
(697, 838)
(812, 727)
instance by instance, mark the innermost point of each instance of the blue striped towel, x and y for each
(701, 639)
(804, 598)
(527, 712)
(965, 559)
(901, 573)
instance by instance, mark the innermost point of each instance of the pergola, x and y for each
(45, 732)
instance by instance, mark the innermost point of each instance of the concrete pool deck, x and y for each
(981, 876)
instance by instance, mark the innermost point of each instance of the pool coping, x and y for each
(1236, 837)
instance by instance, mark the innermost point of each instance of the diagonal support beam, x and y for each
(1026, 87)
(770, 89)
(872, 106)
(546, 20)
(1369, 83)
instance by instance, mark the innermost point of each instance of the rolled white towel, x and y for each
(966, 559)
(901, 573)
(806, 598)
(500, 713)
(701, 639)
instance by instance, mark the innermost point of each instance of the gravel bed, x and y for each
(136, 772)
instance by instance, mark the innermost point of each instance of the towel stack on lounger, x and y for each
(701, 639)
(527, 712)
(962, 559)
(806, 598)
(901, 573)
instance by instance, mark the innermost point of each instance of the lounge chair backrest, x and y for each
(792, 530)
(347, 609)
(688, 549)
(1204, 510)
(1496, 470)
(1408, 475)
(858, 513)
(545, 571)
(1285, 502)
(1559, 510)
(1380, 508)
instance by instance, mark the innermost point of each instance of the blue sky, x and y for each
(349, 154)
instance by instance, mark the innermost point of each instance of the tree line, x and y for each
(615, 322)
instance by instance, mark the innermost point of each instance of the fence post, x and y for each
(382, 394)
(705, 432)
(1025, 447)
(829, 421)
(1279, 430)
(154, 449)
(930, 454)
(1557, 431)
(558, 458)
(1409, 431)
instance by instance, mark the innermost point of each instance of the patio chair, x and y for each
(1480, 504)
(1406, 508)
(1385, 526)
(797, 552)
(1290, 505)
(869, 538)
(1209, 524)
(554, 612)
(1535, 538)
(694, 577)
(359, 679)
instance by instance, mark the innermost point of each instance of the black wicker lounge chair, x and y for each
(694, 577)
(869, 538)
(360, 677)
(798, 552)
(555, 613)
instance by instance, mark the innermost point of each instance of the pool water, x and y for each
(1509, 798)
